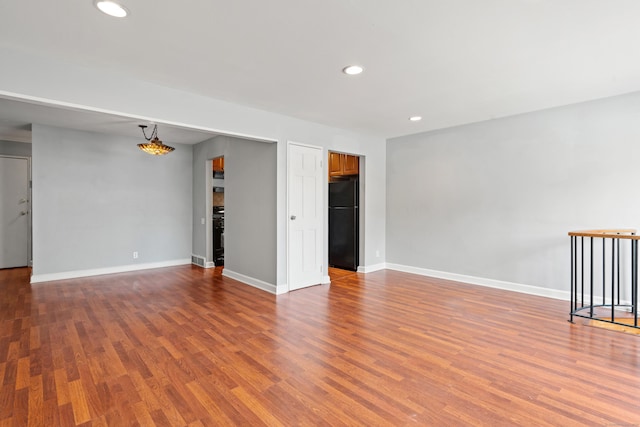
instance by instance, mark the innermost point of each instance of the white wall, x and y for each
(97, 198)
(495, 200)
(26, 76)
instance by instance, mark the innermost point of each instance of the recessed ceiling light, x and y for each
(111, 8)
(352, 70)
(415, 118)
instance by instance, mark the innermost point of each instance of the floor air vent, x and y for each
(197, 260)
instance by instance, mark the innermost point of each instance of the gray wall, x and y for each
(496, 199)
(26, 75)
(250, 209)
(250, 204)
(97, 199)
(11, 148)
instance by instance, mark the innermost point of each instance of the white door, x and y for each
(305, 216)
(14, 212)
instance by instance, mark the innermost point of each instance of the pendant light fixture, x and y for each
(155, 146)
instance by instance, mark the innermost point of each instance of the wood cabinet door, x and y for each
(218, 164)
(335, 164)
(350, 165)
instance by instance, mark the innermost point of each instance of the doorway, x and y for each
(15, 212)
(344, 211)
(217, 211)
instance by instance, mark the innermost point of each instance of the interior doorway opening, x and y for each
(345, 211)
(217, 211)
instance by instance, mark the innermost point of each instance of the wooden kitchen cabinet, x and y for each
(350, 165)
(218, 164)
(343, 164)
(335, 164)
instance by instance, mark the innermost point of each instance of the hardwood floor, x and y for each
(184, 346)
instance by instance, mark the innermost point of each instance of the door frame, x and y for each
(208, 226)
(210, 262)
(361, 209)
(30, 205)
(208, 221)
(324, 273)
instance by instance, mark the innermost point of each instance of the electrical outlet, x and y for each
(135, 255)
(202, 221)
(377, 254)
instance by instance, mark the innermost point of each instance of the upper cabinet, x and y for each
(343, 164)
(335, 164)
(218, 164)
(350, 165)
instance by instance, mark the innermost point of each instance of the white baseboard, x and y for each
(372, 268)
(256, 283)
(282, 289)
(326, 280)
(481, 281)
(39, 278)
(209, 264)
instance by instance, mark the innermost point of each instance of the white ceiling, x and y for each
(452, 62)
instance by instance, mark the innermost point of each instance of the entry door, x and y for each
(305, 216)
(14, 212)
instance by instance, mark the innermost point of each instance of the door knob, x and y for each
(293, 217)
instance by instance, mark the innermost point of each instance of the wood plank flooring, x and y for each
(184, 346)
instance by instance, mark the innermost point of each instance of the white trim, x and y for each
(38, 278)
(302, 144)
(326, 280)
(79, 107)
(481, 281)
(207, 264)
(256, 283)
(208, 211)
(371, 268)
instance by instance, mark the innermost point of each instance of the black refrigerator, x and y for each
(343, 224)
